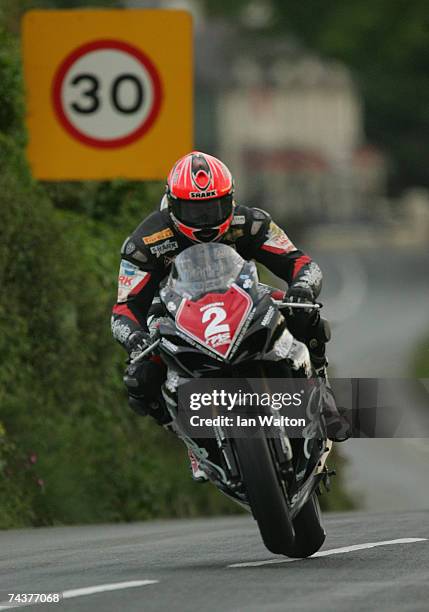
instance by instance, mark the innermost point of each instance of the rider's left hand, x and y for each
(300, 295)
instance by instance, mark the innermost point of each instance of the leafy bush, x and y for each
(61, 393)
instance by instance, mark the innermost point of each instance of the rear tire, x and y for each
(309, 531)
(265, 494)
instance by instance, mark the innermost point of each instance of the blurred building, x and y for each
(291, 127)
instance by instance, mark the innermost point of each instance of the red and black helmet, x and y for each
(200, 193)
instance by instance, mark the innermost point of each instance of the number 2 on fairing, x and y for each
(215, 315)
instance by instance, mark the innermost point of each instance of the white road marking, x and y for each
(98, 588)
(333, 551)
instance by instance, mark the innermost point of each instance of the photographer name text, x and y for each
(237, 420)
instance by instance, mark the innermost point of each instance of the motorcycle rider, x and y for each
(199, 206)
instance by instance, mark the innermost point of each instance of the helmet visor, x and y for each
(203, 213)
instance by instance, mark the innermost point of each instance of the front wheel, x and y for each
(309, 531)
(265, 494)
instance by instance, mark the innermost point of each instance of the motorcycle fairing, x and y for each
(215, 320)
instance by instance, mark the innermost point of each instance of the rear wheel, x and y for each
(265, 494)
(309, 531)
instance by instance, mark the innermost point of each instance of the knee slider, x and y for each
(325, 330)
(321, 331)
(144, 380)
(319, 335)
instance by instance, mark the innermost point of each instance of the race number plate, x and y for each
(216, 319)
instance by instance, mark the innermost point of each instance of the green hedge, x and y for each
(61, 396)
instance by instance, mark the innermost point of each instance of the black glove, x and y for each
(137, 342)
(138, 376)
(300, 319)
(300, 295)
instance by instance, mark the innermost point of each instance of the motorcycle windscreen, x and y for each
(205, 268)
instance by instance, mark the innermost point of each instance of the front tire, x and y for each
(309, 531)
(265, 494)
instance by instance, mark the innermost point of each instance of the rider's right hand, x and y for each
(143, 378)
(137, 342)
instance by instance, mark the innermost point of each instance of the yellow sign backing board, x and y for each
(109, 92)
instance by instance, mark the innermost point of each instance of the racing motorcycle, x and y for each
(222, 322)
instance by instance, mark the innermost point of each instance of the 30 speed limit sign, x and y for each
(108, 95)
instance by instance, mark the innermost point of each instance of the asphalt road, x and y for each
(189, 564)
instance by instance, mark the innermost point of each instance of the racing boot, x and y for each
(338, 427)
(319, 333)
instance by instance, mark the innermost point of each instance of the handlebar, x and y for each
(147, 350)
(280, 304)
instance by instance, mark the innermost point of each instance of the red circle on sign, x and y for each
(95, 46)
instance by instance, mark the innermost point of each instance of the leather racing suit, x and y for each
(148, 253)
